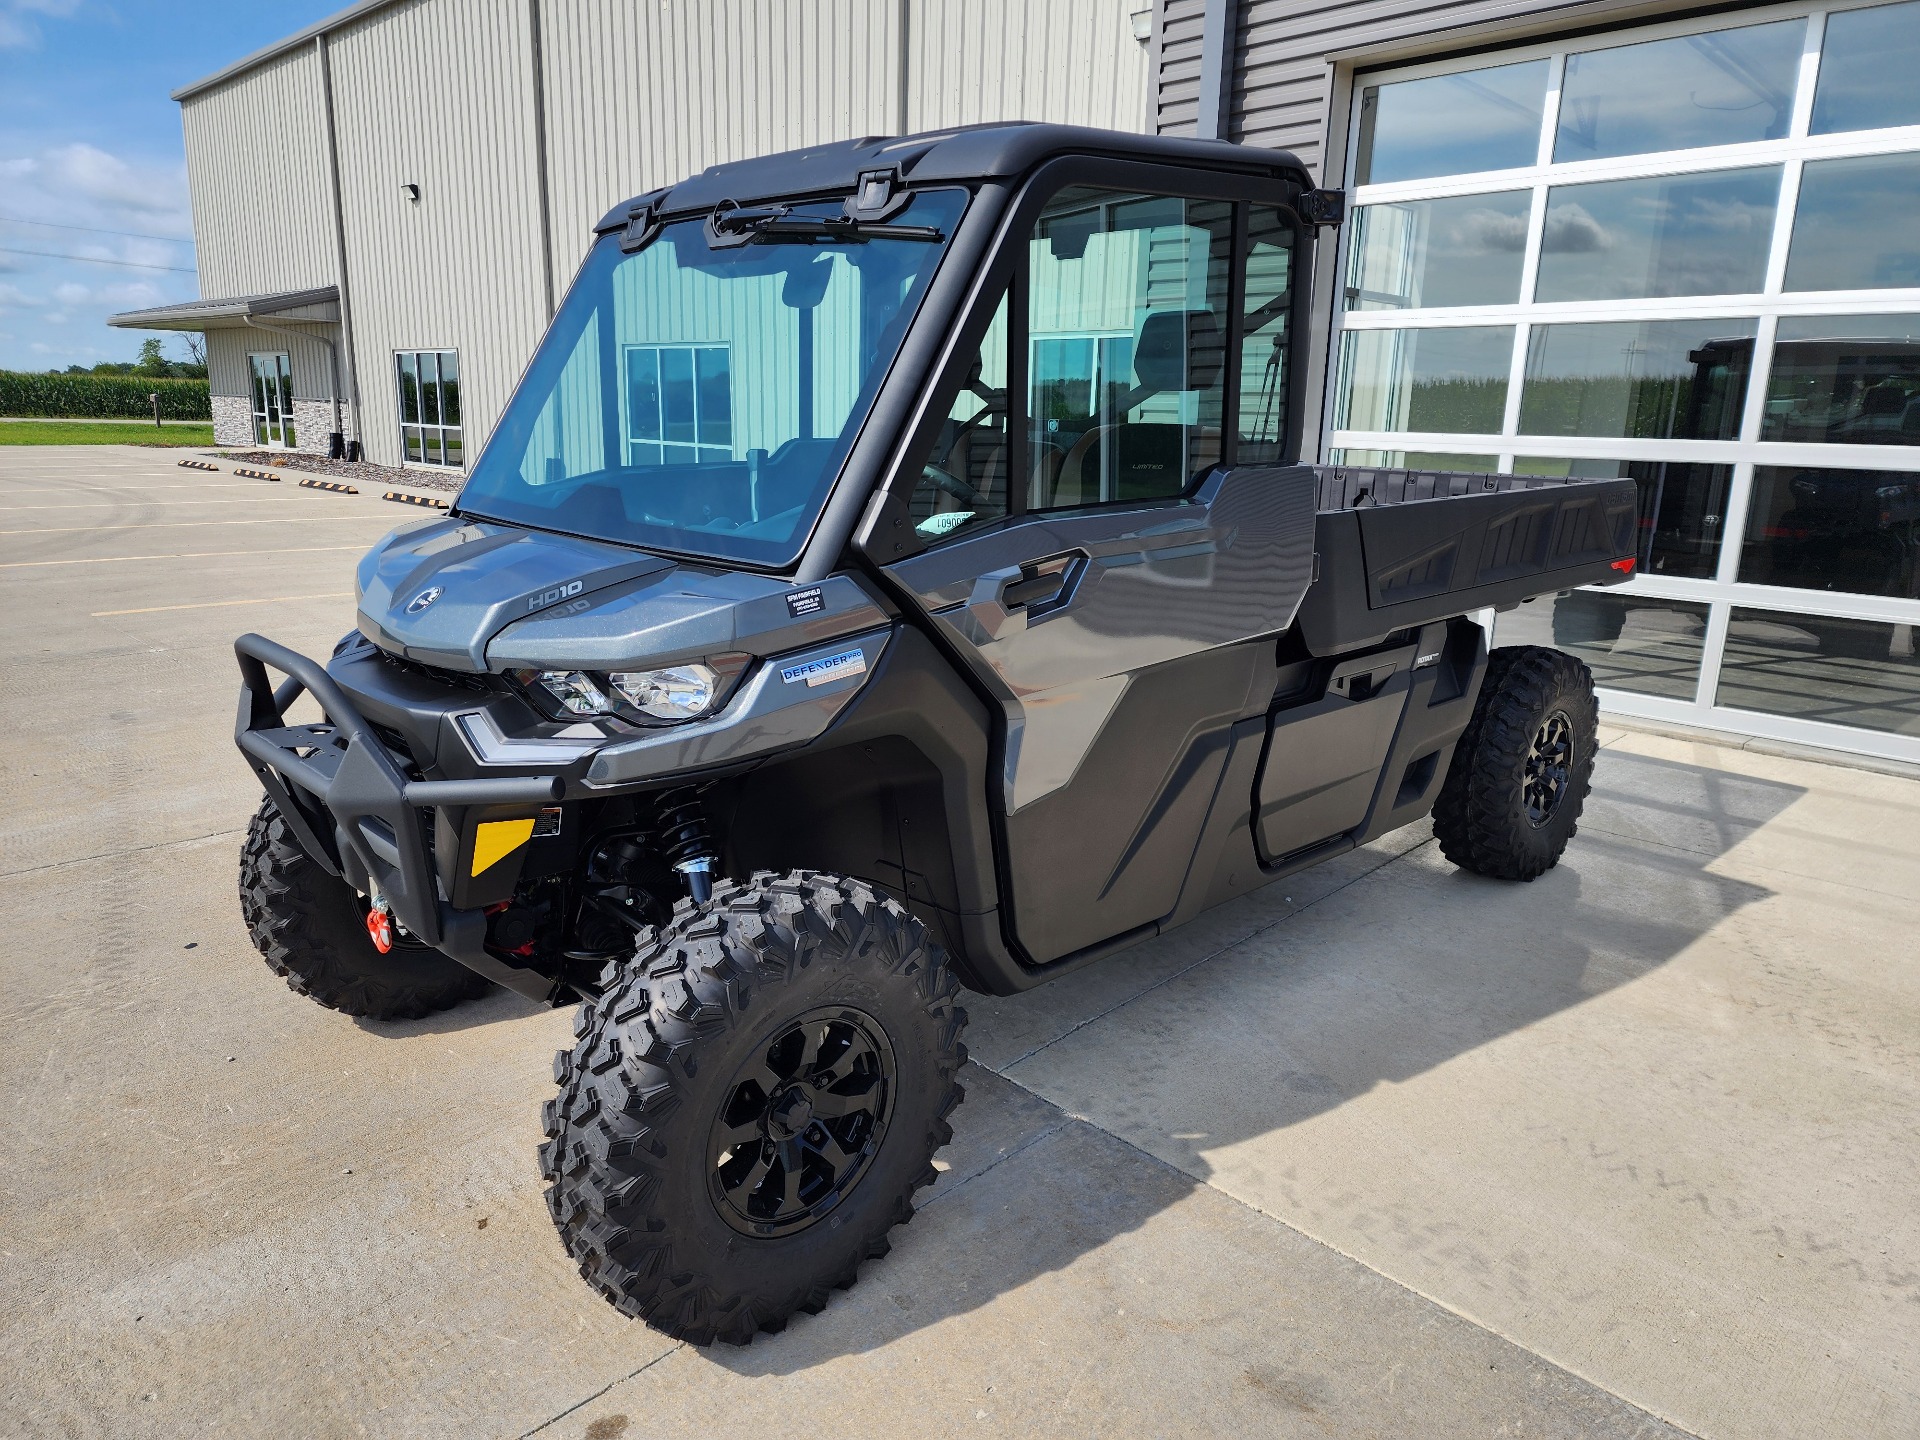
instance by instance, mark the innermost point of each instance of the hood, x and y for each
(437, 592)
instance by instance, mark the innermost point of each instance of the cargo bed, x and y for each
(1400, 548)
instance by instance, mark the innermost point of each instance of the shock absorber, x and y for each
(685, 840)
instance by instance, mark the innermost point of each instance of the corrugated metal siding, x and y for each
(1068, 61)
(439, 93)
(256, 152)
(1176, 104)
(309, 359)
(1281, 78)
(639, 96)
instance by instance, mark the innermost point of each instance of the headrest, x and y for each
(1178, 350)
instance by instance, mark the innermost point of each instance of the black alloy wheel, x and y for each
(752, 1102)
(1521, 771)
(802, 1120)
(1549, 762)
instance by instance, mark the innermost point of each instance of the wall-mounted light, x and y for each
(413, 191)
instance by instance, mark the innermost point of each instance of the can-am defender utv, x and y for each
(892, 574)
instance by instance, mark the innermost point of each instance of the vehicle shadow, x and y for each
(490, 1009)
(1178, 1051)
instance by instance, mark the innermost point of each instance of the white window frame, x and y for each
(705, 452)
(440, 430)
(1723, 592)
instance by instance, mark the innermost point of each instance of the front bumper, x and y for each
(356, 814)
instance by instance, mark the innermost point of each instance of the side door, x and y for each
(1109, 539)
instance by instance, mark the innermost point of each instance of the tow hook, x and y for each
(380, 924)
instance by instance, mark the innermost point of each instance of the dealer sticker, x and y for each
(830, 667)
(805, 602)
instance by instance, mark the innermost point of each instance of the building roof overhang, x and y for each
(319, 306)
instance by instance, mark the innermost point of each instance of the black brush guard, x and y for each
(340, 771)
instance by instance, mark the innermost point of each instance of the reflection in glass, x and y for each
(963, 478)
(1856, 531)
(1630, 642)
(1843, 672)
(1868, 61)
(1126, 302)
(1720, 88)
(1654, 379)
(1682, 507)
(1443, 380)
(1857, 226)
(1451, 124)
(1415, 460)
(1263, 339)
(1670, 235)
(1845, 380)
(1420, 253)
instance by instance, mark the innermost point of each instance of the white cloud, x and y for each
(17, 29)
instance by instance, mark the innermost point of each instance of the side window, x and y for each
(1263, 342)
(963, 480)
(1126, 321)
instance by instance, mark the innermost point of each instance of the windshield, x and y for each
(699, 398)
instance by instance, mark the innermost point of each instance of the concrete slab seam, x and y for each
(555, 1420)
(117, 854)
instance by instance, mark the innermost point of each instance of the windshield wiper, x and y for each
(738, 226)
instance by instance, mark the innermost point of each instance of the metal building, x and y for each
(1611, 237)
(388, 204)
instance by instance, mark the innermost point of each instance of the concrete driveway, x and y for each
(1385, 1150)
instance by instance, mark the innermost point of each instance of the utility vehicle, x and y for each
(892, 574)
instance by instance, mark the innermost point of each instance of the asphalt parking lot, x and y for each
(1384, 1150)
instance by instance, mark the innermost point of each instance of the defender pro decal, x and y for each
(829, 667)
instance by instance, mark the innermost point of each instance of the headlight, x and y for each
(575, 691)
(679, 692)
(671, 694)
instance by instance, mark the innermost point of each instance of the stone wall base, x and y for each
(232, 420)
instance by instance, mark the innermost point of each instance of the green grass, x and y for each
(80, 432)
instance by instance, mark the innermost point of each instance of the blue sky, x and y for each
(88, 138)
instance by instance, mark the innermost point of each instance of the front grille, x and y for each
(465, 680)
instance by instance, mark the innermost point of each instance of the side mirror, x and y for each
(1323, 209)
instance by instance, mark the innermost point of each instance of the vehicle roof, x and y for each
(1003, 150)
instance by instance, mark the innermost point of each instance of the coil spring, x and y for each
(682, 822)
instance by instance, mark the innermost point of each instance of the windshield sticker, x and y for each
(832, 667)
(805, 602)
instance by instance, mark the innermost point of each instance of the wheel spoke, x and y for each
(832, 1151)
(747, 1132)
(749, 1183)
(791, 1157)
(810, 1052)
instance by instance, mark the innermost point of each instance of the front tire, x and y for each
(1523, 768)
(311, 928)
(754, 1099)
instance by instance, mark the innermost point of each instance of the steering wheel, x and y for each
(946, 480)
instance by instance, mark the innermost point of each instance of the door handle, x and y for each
(1035, 591)
(1039, 581)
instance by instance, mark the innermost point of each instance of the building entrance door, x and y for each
(272, 401)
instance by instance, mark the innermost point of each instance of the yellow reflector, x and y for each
(494, 840)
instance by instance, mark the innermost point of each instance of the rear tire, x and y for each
(311, 927)
(1523, 767)
(754, 1099)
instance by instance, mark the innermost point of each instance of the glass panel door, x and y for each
(272, 401)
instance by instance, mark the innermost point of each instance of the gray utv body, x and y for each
(1049, 735)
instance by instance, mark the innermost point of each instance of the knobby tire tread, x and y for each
(619, 1119)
